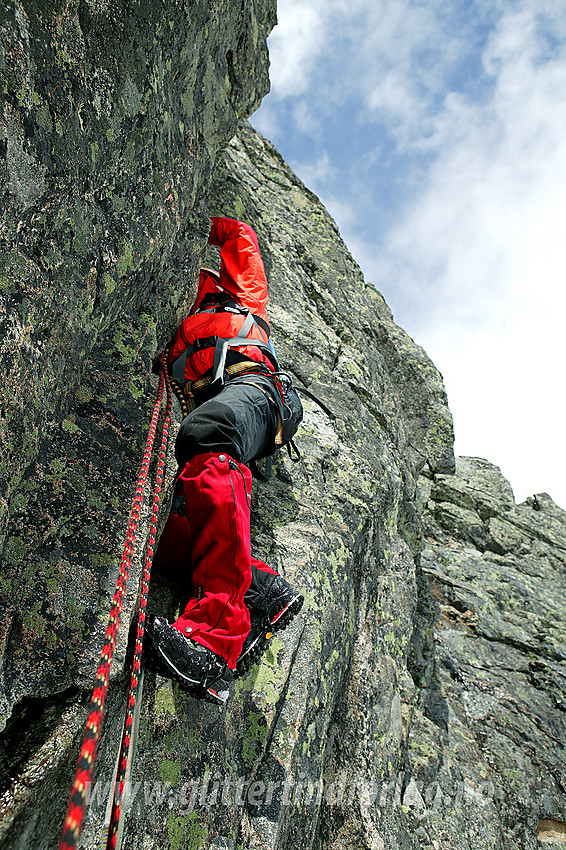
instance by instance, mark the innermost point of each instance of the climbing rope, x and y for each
(77, 800)
(129, 735)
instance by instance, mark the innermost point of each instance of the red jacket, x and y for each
(242, 276)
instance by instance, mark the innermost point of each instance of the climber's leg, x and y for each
(173, 553)
(217, 495)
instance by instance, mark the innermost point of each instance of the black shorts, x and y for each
(240, 420)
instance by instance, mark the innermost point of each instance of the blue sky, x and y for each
(435, 134)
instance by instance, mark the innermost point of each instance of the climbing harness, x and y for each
(191, 392)
(221, 302)
(77, 800)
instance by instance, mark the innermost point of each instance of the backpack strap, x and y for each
(221, 346)
(220, 302)
(178, 367)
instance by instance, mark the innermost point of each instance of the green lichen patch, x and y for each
(185, 833)
(253, 737)
(170, 772)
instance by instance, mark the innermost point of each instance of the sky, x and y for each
(434, 131)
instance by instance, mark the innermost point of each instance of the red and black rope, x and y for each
(77, 801)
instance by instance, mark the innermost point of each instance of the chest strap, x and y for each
(221, 302)
(221, 346)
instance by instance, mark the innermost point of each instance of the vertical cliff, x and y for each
(341, 524)
(418, 699)
(486, 746)
(112, 117)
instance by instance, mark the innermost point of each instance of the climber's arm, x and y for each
(242, 272)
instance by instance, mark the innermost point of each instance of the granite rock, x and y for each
(418, 699)
(486, 747)
(341, 524)
(112, 116)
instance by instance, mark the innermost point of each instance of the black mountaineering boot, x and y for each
(255, 643)
(196, 668)
(271, 613)
(281, 603)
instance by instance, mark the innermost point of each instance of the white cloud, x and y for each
(497, 166)
(295, 45)
(399, 82)
(266, 120)
(341, 211)
(474, 265)
(393, 55)
(315, 174)
(479, 260)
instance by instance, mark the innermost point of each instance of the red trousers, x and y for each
(212, 545)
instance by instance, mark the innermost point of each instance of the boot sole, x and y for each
(191, 686)
(165, 667)
(277, 624)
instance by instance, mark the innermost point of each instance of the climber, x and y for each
(222, 361)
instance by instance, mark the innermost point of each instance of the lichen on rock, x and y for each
(418, 699)
(485, 742)
(112, 118)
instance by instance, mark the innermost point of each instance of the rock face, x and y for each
(341, 524)
(112, 117)
(486, 745)
(418, 699)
